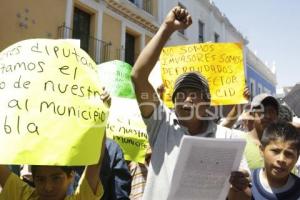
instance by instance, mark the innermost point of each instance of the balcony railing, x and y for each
(100, 51)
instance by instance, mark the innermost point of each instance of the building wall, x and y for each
(259, 75)
(110, 20)
(22, 20)
(132, 19)
(139, 42)
(155, 5)
(147, 39)
(216, 25)
(259, 80)
(111, 33)
(213, 19)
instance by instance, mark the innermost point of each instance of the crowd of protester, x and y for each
(268, 170)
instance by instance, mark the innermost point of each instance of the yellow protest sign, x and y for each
(51, 111)
(126, 127)
(220, 63)
(125, 124)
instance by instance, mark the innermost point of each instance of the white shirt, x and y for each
(165, 134)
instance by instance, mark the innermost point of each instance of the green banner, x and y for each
(115, 75)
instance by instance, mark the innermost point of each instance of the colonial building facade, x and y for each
(108, 29)
(119, 29)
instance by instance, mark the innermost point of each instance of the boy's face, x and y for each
(190, 105)
(279, 157)
(51, 182)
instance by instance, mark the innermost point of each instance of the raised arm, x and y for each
(4, 174)
(176, 19)
(93, 171)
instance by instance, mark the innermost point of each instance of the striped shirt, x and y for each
(138, 172)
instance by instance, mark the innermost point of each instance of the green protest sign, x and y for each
(115, 75)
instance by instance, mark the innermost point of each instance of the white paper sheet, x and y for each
(203, 168)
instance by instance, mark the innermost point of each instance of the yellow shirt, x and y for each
(16, 189)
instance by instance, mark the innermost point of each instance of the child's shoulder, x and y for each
(293, 192)
(15, 187)
(296, 178)
(259, 191)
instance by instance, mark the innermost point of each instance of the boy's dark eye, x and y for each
(276, 151)
(289, 154)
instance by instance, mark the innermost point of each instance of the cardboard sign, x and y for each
(51, 111)
(115, 75)
(126, 127)
(220, 63)
(125, 124)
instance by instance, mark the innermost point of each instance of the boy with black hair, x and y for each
(51, 183)
(264, 111)
(280, 145)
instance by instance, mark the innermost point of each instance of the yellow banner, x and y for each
(220, 63)
(51, 111)
(126, 127)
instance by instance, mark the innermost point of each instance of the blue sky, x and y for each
(273, 30)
